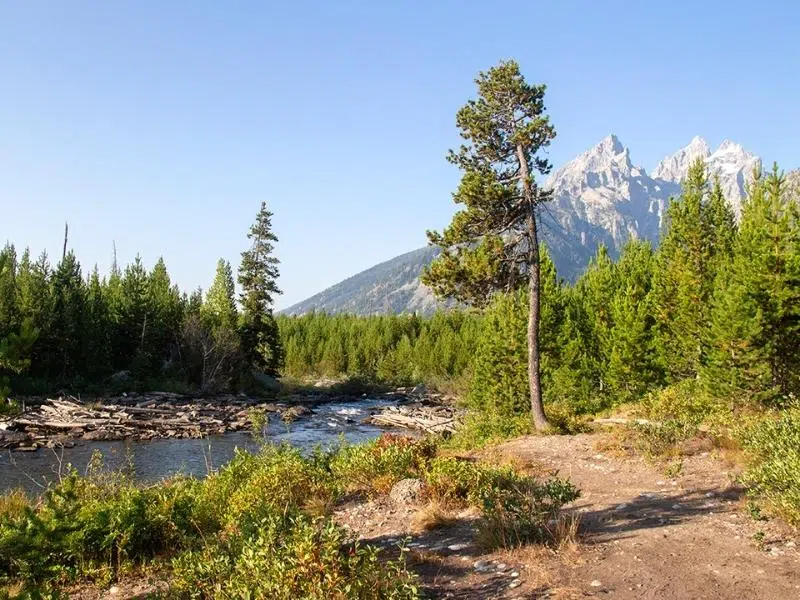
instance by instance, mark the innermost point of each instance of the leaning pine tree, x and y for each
(258, 273)
(493, 243)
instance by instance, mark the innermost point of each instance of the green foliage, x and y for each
(389, 349)
(258, 527)
(521, 510)
(219, 309)
(481, 428)
(773, 445)
(505, 129)
(754, 352)
(287, 556)
(695, 245)
(671, 416)
(258, 274)
(376, 466)
(492, 245)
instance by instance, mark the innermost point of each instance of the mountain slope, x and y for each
(389, 287)
(599, 197)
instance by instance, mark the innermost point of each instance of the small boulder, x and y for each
(293, 412)
(407, 491)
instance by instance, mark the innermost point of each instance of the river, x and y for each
(156, 459)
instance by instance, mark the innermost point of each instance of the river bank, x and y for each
(67, 421)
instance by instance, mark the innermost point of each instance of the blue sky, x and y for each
(162, 125)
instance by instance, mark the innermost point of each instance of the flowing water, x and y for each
(156, 459)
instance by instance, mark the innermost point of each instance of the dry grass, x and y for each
(433, 516)
(382, 484)
(523, 464)
(566, 532)
(616, 443)
(13, 503)
(12, 590)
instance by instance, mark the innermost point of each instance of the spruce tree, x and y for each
(9, 316)
(753, 348)
(633, 367)
(96, 339)
(500, 383)
(219, 309)
(493, 243)
(135, 318)
(258, 274)
(696, 242)
(165, 314)
(68, 318)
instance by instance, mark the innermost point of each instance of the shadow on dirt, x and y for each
(653, 510)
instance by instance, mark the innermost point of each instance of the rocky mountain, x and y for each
(599, 197)
(389, 287)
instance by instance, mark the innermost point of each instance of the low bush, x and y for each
(374, 467)
(667, 418)
(287, 556)
(773, 447)
(480, 429)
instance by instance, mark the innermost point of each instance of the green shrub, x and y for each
(773, 445)
(480, 429)
(287, 556)
(260, 526)
(669, 417)
(521, 510)
(376, 466)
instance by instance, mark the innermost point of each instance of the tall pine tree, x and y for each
(493, 243)
(258, 274)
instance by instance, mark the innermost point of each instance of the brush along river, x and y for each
(150, 460)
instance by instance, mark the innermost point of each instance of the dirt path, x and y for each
(642, 535)
(647, 536)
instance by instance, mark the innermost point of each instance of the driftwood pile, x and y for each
(157, 415)
(425, 416)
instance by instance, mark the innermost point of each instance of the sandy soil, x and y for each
(642, 535)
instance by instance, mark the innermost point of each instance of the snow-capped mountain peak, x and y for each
(674, 168)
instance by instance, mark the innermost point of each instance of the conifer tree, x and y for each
(632, 363)
(165, 314)
(754, 350)
(695, 243)
(219, 309)
(135, 317)
(500, 382)
(9, 317)
(258, 274)
(595, 291)
(68, 318)
(493, 243)
(15, 346)
(97, 334)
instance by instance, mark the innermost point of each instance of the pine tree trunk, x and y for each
(537, 406)
(534, 379)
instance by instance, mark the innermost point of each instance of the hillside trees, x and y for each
(493, 243)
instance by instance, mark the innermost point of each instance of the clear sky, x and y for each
(161, 125)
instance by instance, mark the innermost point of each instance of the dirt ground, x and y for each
(641, 535)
